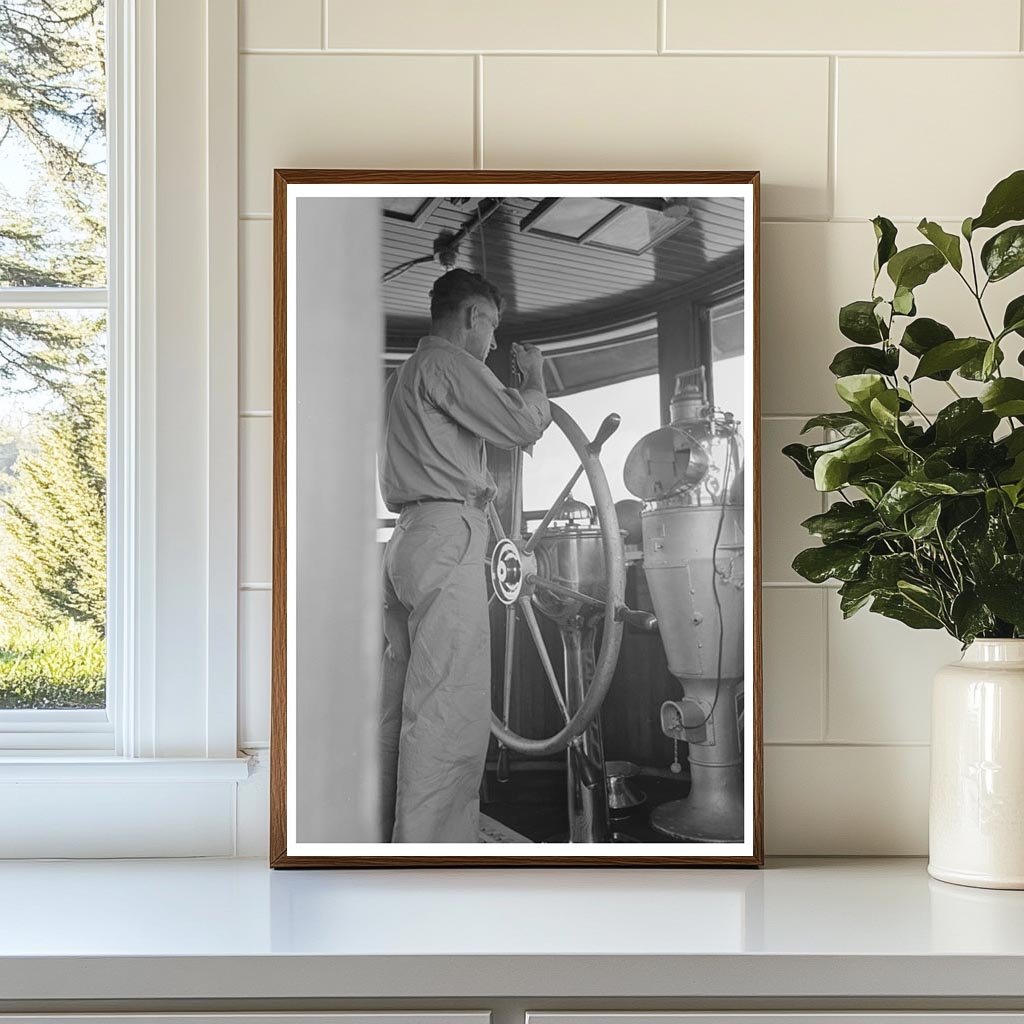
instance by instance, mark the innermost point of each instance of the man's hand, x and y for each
(531, 365)
(529, 357)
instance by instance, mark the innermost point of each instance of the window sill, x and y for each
(75, 766)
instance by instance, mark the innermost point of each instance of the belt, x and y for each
(476, 503)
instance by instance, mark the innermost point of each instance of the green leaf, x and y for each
(1013, 317)
(863, 447)
(965, 229)
(831, 471)
(854, 595)
(1016, 522)
(799, 455)
(857, 321)
(885, 236)
(903, 302)
(899, 608)
(1004, 397)
(995, 499)
(1005, 202)
(1005, 597)
(990, 360)
(922, 336)
(971, 617)
(906, 494)
(887, 570)
(912, 267)
(1003, 254)
(950, 355)
(885, 409)
(841, 421)
(850, 361)
(947, 244)
(925, 518)
(840, 561)
(974, 368)
(966, 417)
(858, 389)
(843, 521)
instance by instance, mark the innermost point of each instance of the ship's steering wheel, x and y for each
(516, 575)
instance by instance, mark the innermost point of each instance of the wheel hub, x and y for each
(509, 569)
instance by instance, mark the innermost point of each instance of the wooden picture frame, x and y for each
(589, 308)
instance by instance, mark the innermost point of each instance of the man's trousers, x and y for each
(435, 675)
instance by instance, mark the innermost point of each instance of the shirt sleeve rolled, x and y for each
(467, 391)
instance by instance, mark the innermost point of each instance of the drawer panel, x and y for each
(790, 1017)
(355, 1017)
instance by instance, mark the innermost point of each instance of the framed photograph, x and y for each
(516, 575)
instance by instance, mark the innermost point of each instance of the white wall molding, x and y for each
(171, 789)
(40, 768)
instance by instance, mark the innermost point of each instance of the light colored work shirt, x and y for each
(440, 408)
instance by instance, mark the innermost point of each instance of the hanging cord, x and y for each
(446, 245)
(483, 248)
(733, 456)
(394, 272)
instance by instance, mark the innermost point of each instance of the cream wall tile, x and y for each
(787, 498)
(469, 25)
(880, 677)
(264, 24)
(846, 801)
(692, 113)
(254, 609)
(809, 271)
(351, 111)
(961, 131)
(869, 25)
(255, 490)
(794, 663)
(255, 318)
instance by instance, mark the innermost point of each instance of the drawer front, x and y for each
(934, 1017)
(355, 1017)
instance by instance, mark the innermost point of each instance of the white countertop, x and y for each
(235, 929)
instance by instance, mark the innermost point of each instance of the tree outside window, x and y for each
(53, 215)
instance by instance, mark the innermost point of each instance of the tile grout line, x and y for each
(1020, 24)
(478, 111)
(824, 714)
(833, 134)
(662, 40)
(323, 24)
(851, 744)
(342, 51)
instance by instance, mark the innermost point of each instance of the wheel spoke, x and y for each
(496, 527)
(538, 640)
(552, 512)
(510, 648)
(561, 590)
(517, 495)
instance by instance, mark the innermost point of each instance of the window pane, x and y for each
(554, 460)
(53, 150)
(52, 509)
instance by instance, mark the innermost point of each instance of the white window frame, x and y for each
(171, 718)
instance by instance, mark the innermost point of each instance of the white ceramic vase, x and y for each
(976, 814)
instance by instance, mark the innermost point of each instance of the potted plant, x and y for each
(926, 521)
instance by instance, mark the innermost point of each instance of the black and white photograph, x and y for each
(515, 551)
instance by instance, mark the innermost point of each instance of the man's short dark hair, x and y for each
(451, 290)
